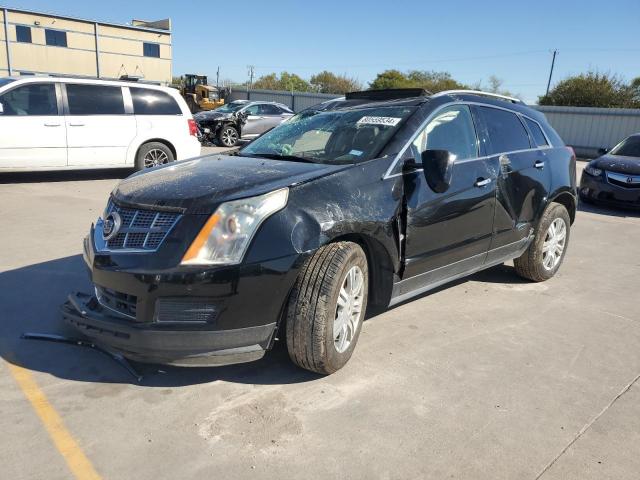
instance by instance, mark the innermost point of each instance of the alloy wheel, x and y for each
(155, 157)
(348, 309)
(554, 243)
(229, 137)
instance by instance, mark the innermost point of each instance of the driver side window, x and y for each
(28, 100)
(452, 130)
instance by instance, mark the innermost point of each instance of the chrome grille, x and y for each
(622, 180)
(141, 229)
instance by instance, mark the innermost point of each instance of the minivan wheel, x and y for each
(544, 256)
(228, 136)
(327, 306)
(153, 154)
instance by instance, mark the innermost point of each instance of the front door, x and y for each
(523, 182)
(32, 130)
(449, 233)
(99, 131)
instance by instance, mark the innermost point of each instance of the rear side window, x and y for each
(95, 100)
(153, 102)
(34, 99)
(506, 132)
(268, 109)
(536, 131)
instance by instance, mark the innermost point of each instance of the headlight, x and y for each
(225, 237)
(595, 172)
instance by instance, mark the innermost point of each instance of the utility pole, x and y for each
(250, 73)
(553, 62)
(218, 77)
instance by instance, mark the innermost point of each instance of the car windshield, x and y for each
(231, 107)
(630, 147)
(6, 81)
(340, 136)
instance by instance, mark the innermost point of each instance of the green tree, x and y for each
(429, 80)
(328, 82)
(286, 81)
(593, 89)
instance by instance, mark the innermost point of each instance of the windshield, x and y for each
(231, 107)
(340, 136)
(6, 81)
(629, 147)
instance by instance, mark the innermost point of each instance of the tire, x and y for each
(536, 263)
(313, 308)
(228, 136)
(153, 154)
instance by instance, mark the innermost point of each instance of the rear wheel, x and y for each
(153, 154)
(228, 136)
(327, 307)
(544, 256)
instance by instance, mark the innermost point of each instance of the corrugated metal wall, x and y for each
(588, 129)
(297, 101)
(585, 129)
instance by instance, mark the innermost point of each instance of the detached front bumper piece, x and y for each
(150, 343)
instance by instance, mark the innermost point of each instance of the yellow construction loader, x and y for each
(199, 95)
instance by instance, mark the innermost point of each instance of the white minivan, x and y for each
(50, 123)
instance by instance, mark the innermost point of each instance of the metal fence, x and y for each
(585, 129)
(588, 129)
(297, 101)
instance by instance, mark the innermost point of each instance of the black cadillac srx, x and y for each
(383, 196)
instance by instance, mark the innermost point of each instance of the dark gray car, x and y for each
(241, 119)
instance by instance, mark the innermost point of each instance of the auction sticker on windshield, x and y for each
(391, 121)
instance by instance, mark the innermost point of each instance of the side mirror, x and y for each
(438, 168)
(602, 151)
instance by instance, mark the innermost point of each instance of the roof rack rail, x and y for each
(479, 92)
(387, 94)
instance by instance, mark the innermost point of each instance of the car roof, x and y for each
(88, 81)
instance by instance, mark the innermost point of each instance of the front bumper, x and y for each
(599, 190)
(173, 347)
(182, 315)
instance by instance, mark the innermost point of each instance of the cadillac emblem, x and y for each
(111, 225)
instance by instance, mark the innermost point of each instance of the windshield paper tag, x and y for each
(391, 121)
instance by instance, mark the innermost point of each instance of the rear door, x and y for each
(257, 122)
(158, 115)
(32, 129)
(273, 115)
(524, 180)
(99, 128)
(449, 233)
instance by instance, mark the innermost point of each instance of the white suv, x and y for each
(49, 123)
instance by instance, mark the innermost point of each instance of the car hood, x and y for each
(211, 115)
(619, 164)
(199, 185)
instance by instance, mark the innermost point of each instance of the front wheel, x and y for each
(228, 136)
(544, 256)
(327, 307)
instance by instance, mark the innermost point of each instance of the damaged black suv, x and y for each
(384, 196)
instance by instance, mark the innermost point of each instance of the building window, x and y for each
(151, 50)
(23, 34)
(55, 38)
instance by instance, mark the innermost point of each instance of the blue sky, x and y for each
(470, 39)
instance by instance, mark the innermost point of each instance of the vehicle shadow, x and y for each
(65, 176)
(30, 298)
(609, 211)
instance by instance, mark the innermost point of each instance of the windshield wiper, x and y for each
(276, 156)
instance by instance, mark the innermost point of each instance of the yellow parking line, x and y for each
(77, 461)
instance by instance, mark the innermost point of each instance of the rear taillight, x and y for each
(193, 128)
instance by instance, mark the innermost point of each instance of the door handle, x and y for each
(76, 124)
(51, 124)
(482, 182)
(539, 164)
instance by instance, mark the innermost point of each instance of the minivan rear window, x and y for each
(506, 132)
(94, 100)
(153, 102)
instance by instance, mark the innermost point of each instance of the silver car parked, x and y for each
(241, 119)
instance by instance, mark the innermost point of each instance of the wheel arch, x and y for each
(163, 141)
(568, 200)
